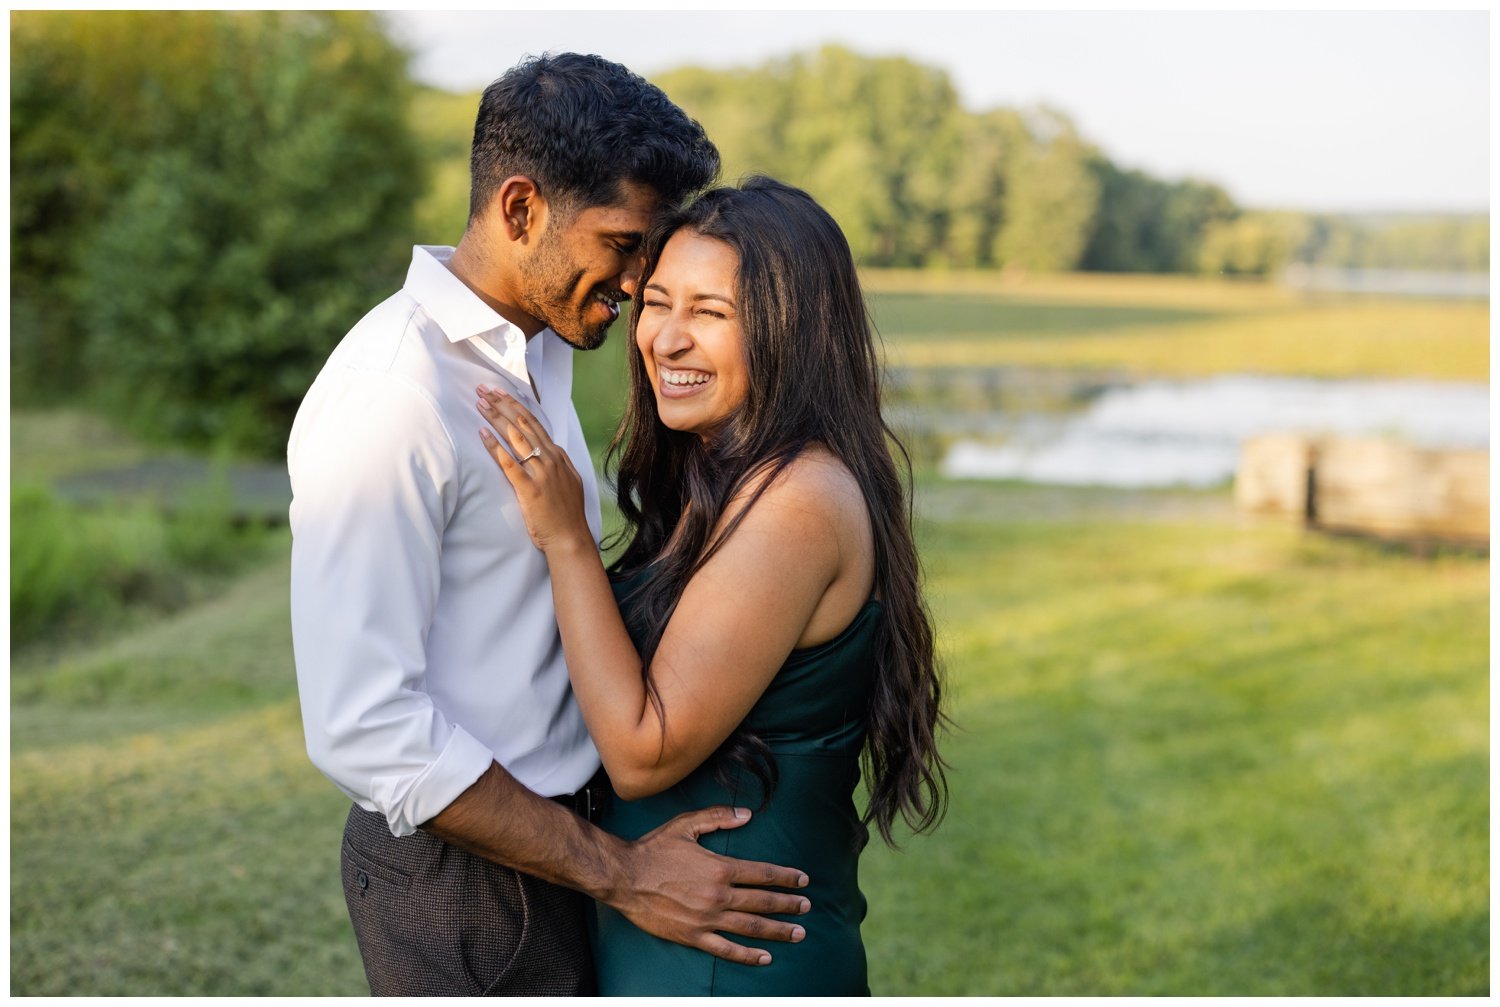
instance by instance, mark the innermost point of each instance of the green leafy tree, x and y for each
(916, 180)
(91, 94)
(1191, 207)
(906, 116)
(1051, 198)
(1253, 244)
(1125, 235)
(444, 126)
(1452, 242)
(209, 252)
(977, 189)
(872, 139)
(1144, 224)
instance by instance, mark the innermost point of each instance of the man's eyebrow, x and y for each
(631, 235)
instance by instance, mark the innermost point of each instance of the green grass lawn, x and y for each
(1172, 326)
(1199, 758)
(1192, 756)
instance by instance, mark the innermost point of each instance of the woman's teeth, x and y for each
(684, 377)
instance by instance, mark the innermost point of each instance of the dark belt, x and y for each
(589, 802)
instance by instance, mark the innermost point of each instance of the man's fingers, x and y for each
(700, 823)
(748, 872)
(731, 952)
(695, 824)
(767, 903)
(759, 928)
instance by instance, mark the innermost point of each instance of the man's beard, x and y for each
(582, 336)
(560, 314)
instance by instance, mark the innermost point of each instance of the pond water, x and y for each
(1182, 433)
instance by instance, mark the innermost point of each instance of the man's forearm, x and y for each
(499, 819)
(665, 882)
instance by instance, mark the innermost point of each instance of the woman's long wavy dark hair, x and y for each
(814, 379)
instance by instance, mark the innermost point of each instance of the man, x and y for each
(429, 666)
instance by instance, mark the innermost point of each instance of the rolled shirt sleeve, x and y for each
(375, 481)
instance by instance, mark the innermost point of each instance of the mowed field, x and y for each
(1173, 326)
(1192, 754)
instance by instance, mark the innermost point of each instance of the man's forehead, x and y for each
(631, 213)
(623, 223)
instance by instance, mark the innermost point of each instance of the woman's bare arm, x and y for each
(761, 594)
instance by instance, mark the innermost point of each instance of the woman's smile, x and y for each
(680, 384)
(689, 334)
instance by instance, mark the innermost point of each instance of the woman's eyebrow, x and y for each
(714, 297)
(696, 297)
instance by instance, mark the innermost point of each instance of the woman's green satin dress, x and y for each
(813, 717)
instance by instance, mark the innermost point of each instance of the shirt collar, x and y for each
(459, 312)
(463, 315)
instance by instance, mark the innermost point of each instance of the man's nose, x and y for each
(630, 277)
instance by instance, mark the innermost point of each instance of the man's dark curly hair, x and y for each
(578, 126)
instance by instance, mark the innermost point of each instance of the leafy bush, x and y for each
(253, 204)
(69, 570)
(75, 570)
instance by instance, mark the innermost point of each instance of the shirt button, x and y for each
(364, 881)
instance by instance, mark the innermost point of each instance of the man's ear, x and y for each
(520, 209)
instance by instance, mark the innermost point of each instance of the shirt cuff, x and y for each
(408, 801)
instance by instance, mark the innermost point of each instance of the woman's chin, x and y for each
(670, 414)
(688, 428)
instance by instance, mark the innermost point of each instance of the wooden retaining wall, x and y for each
(1368, 486)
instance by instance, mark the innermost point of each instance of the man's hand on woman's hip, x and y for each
(681, 892)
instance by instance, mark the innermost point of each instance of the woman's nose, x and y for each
(673, 337)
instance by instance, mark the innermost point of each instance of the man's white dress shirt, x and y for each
(422, 621)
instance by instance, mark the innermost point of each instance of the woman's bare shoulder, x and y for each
(815, 495)
(815, 479)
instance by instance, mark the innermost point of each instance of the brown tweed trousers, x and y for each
(434, 920)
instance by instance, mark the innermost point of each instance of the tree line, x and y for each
(918, 181)
(202, 203)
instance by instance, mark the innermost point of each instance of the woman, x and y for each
(770, 629)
